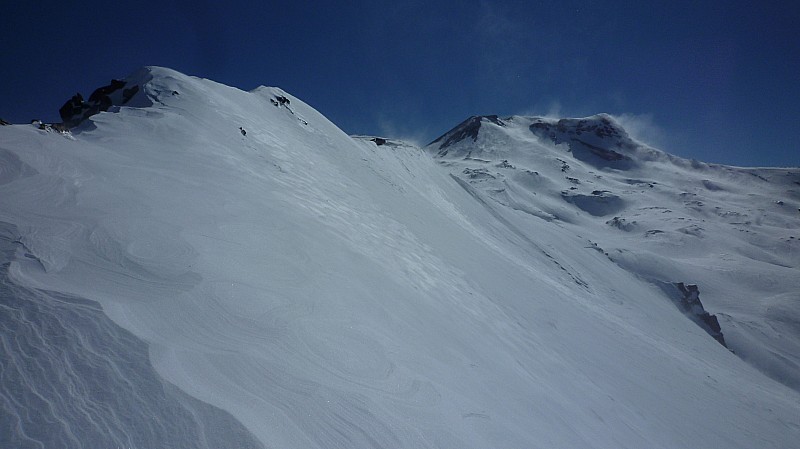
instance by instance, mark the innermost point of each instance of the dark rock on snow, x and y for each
(595, 140)
(279, 100)
(687, 298)
(76, 110)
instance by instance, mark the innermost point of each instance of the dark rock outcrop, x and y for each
(127, 94)
(597, 140)
(104, 91)
(76, 110)
(601, 127)
(279, 100)
(687, 298)
(72, 108)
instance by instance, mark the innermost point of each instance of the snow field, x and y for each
(328, 292)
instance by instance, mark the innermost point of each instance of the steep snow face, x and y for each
(333, 291)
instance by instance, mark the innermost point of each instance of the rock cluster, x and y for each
(690, 304)
(76, 109)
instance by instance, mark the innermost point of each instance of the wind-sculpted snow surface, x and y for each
(71, 378)
(328, 291)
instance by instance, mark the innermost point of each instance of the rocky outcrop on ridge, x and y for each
(76, 109)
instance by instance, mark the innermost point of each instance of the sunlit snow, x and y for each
(243, 272)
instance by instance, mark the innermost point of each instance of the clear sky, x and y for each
(718, 81)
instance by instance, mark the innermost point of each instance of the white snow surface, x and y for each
(328, 292)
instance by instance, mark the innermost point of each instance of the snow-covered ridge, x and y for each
(300, 287)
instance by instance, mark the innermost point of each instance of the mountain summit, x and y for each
(198, 266)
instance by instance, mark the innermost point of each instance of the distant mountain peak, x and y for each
(598, 140)
(468, 128)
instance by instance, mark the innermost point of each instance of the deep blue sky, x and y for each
(718, 81)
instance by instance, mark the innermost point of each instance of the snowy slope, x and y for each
(304, 288)
(731, 231)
